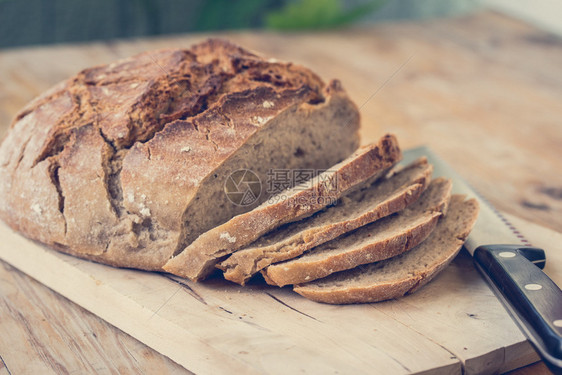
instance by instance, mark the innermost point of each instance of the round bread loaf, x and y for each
(126, 163)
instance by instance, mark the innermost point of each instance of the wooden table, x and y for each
(483, 91)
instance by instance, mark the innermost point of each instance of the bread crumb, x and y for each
(268, 104)
(37, 209)
(228, 237)
(260, 120)
(307, 278)
(145, 212)
(185, 149)
(131, 197)
(134, 85)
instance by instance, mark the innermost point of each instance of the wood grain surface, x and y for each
(43, 332)
(484, 91)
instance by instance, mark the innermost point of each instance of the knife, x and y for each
(512, 267)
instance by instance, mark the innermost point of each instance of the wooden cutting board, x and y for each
(455, 323)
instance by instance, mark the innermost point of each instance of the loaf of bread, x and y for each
(126, 163)
(163, 161)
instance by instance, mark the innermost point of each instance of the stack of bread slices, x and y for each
(391, 230)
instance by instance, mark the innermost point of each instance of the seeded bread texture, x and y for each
(405, 273)
(380, 240)
(364, 166)
(125, 163)
(352, 211)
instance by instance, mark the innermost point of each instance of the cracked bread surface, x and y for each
(125, 163)
(402, 274)
(379, 240)
(365, 165)
(386, 196)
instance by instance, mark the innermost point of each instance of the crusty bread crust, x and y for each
(355, 210)
(109, 164)
(405, 273)
(367, 164)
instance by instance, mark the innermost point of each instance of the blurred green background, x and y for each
(32, 22)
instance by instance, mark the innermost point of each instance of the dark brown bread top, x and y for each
(104, 164)
(352, 211)
(402, 274)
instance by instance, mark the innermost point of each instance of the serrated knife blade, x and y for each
(511, 267)
(491, 226)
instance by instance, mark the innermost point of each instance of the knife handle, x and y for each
(529, 295)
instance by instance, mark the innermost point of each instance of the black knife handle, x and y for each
(529, 295)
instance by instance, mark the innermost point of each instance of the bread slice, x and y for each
(126, 163)
(365, 165)
(404, 273)
(352, 211)
(380, 240)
